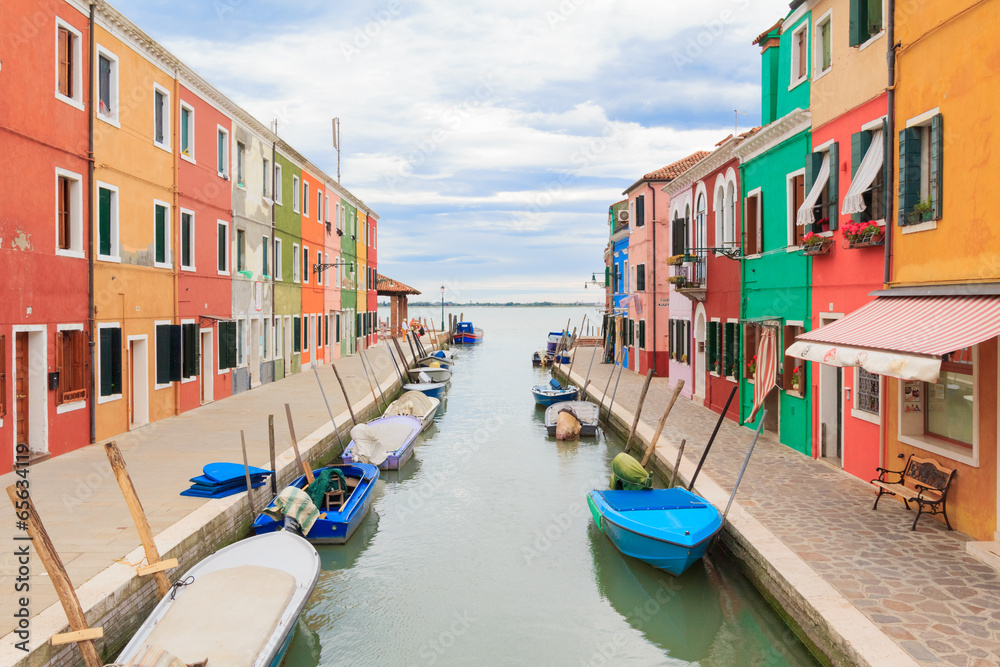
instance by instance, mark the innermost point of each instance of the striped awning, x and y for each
(903, 337)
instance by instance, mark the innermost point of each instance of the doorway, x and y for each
(138, 389)
(207, 374)
(254, 356)
(700, 375)
(831, 409)
(30, 392)
(22, 386)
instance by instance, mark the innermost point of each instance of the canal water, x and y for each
(482, 550)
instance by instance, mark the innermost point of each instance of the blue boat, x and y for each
(553, 341)
(432, 389)
(337, 523)
(386, 442)
(668, 528)
(553, 392)
(466, 334)
(238, 606)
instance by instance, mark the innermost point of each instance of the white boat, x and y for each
(237, 607)
(415, 404)
(435, 374)
(585, 412)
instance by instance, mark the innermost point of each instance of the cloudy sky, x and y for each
(490, 137)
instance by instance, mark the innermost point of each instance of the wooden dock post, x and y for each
(295, 445)
(274, 463)
(638, 410)
(246, 471)
(23, 506)
(677, 464)
(138, 517)
(346, 397)
(663, 420)
(402, 357)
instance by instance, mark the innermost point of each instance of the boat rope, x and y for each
(179, 584)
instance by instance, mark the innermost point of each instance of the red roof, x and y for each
(672, 171)
(389, 287)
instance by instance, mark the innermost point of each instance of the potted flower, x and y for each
(795, 379)
(715, 366)
(814, 244)
(752, 368)
(863, 234)
(677, 280)
(675, 260)
(684, 358)
(922, 212)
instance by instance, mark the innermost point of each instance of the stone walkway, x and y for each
(82, 506)
(920, 588)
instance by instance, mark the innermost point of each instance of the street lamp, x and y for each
(442, 307)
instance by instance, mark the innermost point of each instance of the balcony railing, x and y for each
(690, 277)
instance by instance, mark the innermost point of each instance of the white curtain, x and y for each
(854, 201)
(805, 215)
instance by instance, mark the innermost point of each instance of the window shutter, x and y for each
(104, 77)
(64, 378)
(116, 361)
(642, 333)
(231, 344)
(104, 339)
(687, 341)
(297, 334)
(710, 341)
(174, 353)
(81, 359)
(909, 171)
(65, 67)
(854, 31)
(189, 353)
(833, 185)
(759, 214)
(937, 163)
(161, 234)
(640, 211)
(104, 205)
(158, 101)
(162, 354)
(860, 141)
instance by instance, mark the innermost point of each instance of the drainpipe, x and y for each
(653, 276)
(90, 230)
(175, 215)
(890, 57)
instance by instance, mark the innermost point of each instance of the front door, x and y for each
(138, 362)
(21, 386)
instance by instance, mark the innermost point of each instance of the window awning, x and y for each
(903, 337)
(805, 215)
(854, 201)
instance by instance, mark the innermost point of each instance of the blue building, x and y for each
(623, 333)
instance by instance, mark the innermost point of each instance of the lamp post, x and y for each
(442, 307)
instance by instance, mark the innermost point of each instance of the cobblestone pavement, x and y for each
(920, 588)
(82, 507)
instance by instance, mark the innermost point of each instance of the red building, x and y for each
(204, 232)
(45, 358)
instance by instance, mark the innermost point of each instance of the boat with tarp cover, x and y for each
(386, 442)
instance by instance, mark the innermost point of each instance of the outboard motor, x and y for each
(293, 526)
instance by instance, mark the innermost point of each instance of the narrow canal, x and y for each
(483, 551)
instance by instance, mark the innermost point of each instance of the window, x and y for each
(750, 337)
(730, 349)
(223, 247)
(69, 213)
(305, 265)
(227, 345)
(278, 274)
(800, 54)
(319, 331)
(865, 20)
(223, 153)
(921, 164)
(327, 209)
(107, 86)
(267, 178)
(305, 331)
(279, 198)
(642, 334)
(161, 233)
(72, 353)
(241, 154)
(819, 211)
(296, 267)
(305, 199)
(68, 64)
(337, 329)
(168, 353)
(189, 351)
(948, 403)
(679, 235)
(823, 58)
(640, 278)
(241, 334)
(713, 340)
(107, 222)
(865, 198)
(340, 220)
(161, 117)
(319, 207)
(279, 348)
(241, 250)
(296, 334)
(631, 332)
(796, 196)
(187, 240)
(109, 343)
(792, 373)
(187, 132)
(265, 253)
(679, 342)
(295, 193)
(640, 211)
(867, 397)
(754, 224)
(319, 273)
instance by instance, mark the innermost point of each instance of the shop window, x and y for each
(71, 361)
(948, 403)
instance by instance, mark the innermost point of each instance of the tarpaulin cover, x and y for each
(368, 448)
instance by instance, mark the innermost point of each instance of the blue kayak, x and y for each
(668, 528)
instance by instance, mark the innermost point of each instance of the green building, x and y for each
(349, 284)
(287, 287)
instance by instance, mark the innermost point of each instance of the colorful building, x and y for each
(348, 275)
(313, 243)
(619, 350)
(287, 249)
(331, 274)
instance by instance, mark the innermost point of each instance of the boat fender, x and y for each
(595, 513)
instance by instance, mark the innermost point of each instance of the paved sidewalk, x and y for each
(81, 504)
(920, 588)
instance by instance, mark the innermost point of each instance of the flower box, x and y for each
(867, 240)
(677, 281)
(821, 248)
(676, 260)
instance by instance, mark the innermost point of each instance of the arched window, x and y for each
(700, 237)
(720, 215)
(730, 231)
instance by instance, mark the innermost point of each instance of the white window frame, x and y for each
(229, 252)
(327, 209)
(266, 255)
(278, 275)
(864, 415)
(794, 80)
(194, 377)
(296, 196)
(874, 38)
(827, 20)
(180, 141)
(156, 361)
(180, 250)
(241, 165)
(168, 250)
(241, 342)
(268, 180)
(277, 338)
(278, 193)
(227, 167)
(319, 206)
(75, 214)
(319, 260)
(77, 99)
(296, 264)
(112, 117)
(305, 198)
(789, 201)
(97, 365)
(165, 144)
(115, 238)
(340, 222)
(305, 264)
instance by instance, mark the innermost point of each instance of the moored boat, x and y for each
(238, 606)
(466, 334)
(342, 507)
(436, 374)
(386, 442)
(553, 392)
(585, 412)
(415, 404)
(668, 528)
(431, 389)
(435, 362)
(553, 341)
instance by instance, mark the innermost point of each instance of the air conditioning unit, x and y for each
(622, 216)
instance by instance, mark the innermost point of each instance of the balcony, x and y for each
(689, 279)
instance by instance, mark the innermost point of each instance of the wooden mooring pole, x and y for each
(638, 409)
(677, 464)
(344, 390)
(663, 420)
(295, 445)
(274, 462)
(246, 472)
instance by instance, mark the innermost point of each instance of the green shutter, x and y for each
(104, 215)
(162, 354)
(174, 353)
(909, 171)
(640, 211)
(855, 30)
(296, 334)
(231, 345)
(116, 361)
(222, 152)
(710, 342)
(107, 380)
(185, 131)
(937, 163)
(833, 186)
(222, 240)
(161, 234)
(189, 352)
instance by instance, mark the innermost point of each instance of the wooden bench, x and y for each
(923, 481)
